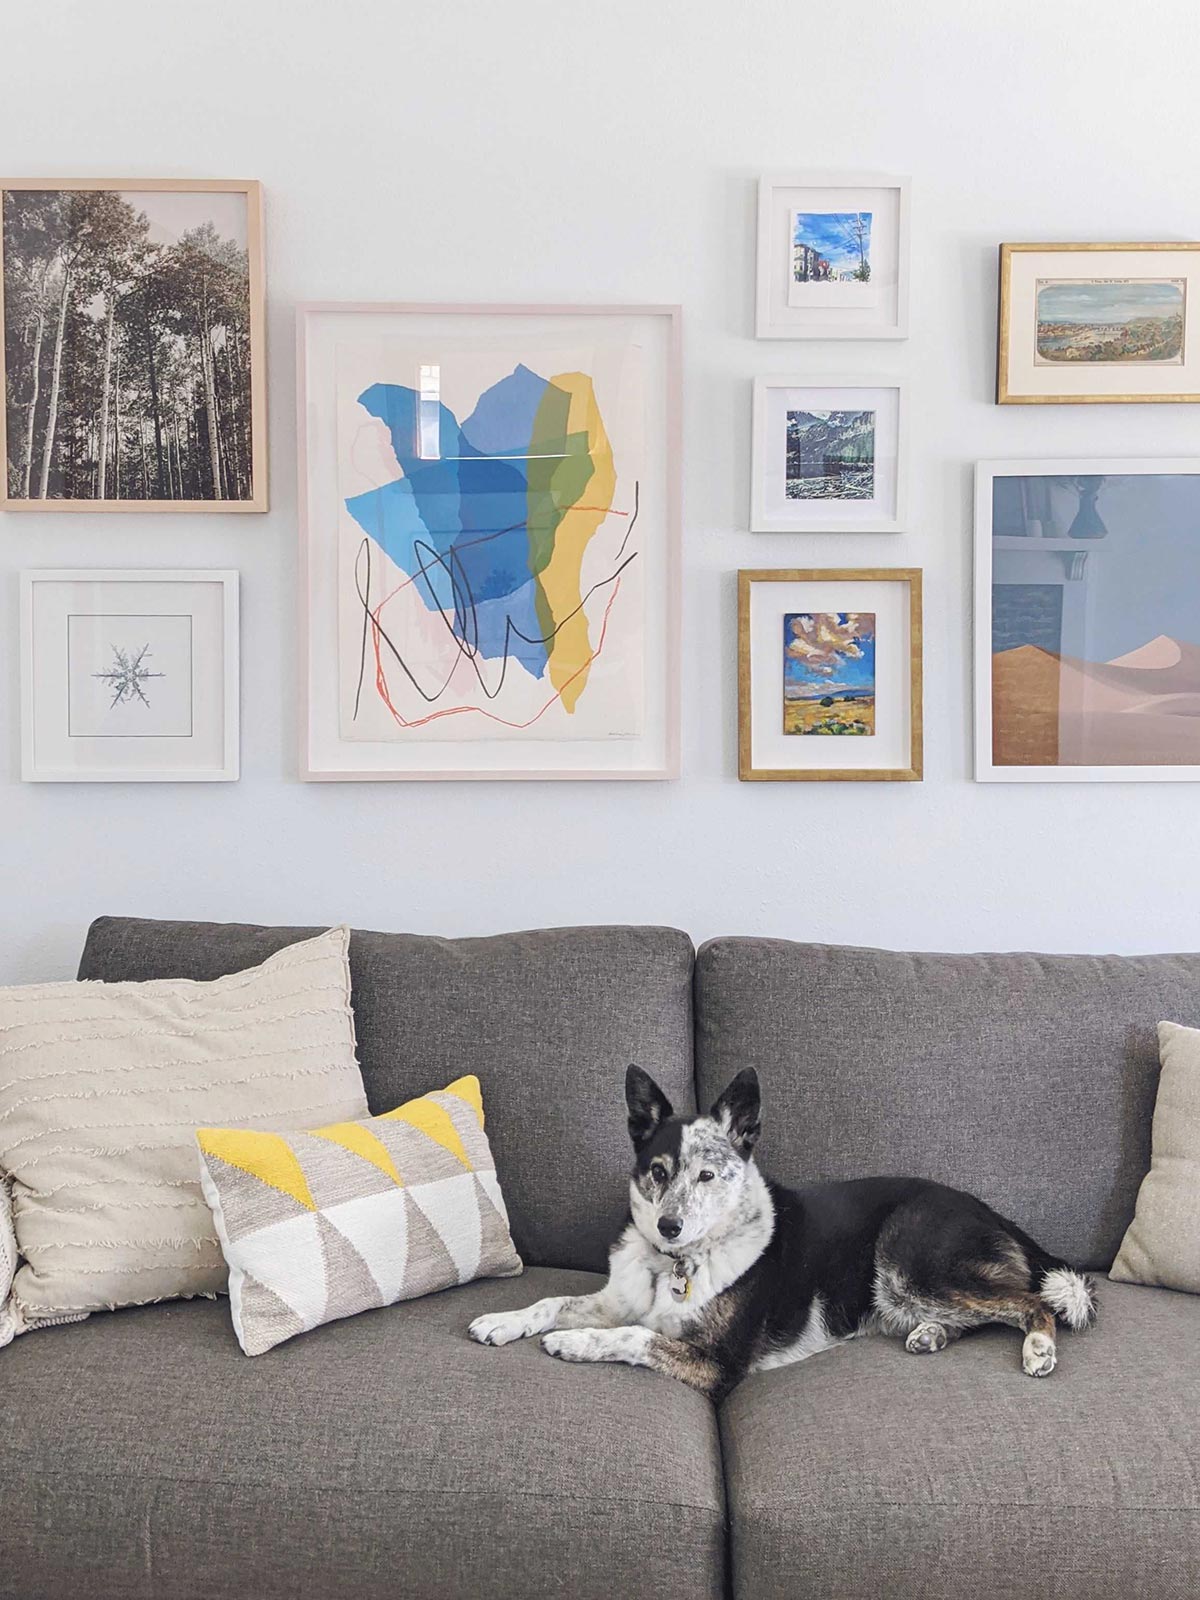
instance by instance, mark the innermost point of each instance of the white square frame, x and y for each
(764, 520)
(986, 473)
(227, 770)
(775, 320)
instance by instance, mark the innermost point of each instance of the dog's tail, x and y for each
(1069, 1293)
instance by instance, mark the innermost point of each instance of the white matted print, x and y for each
(832, 257)
(490, 541)
(829, 674)
(1088, 323)
(827, 457)
(129, 676)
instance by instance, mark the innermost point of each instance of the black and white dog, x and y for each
(721, 1272)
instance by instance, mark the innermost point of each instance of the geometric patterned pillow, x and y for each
(328, 1222)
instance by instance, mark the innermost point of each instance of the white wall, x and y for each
(549, 149)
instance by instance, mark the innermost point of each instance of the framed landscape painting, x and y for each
(829, 675)
(129, 676)
(827, 457)
(134, 348)
(832, 257)
(490, 541)
(1088, 621)
(1087, 323)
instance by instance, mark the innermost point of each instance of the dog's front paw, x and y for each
(501, 1327)
(571, 1344)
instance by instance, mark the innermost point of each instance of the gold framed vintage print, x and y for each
(1092, 324)
(829, 675)
(134, 348)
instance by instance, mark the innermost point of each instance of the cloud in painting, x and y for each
(822, 643)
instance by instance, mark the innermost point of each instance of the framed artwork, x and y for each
(129, 676)
(832, 257)
(827, 457)
(489, 541)
(134, 356)
(829, 675)
(1087, 621)
(1096, 323)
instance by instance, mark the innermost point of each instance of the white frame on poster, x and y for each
(763, 520)
(324, 755)
(776, 320)
(986, 472)
(223, 771)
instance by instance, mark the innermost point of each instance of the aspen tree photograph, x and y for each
(133, 346)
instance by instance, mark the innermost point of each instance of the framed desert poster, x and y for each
(129, 676)
(133, 353)
(832, 257)
(490, 541)
(829, 675)
(828, 457)
(1087, 621)
(1084, 323)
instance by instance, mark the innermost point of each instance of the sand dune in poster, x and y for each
(1139, 709)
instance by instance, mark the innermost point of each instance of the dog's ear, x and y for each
(739, 1111)
(647, 1105)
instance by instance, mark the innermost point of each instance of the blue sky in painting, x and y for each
(1143, 578)
(1108, 302)
(830, 233)
(842, 671)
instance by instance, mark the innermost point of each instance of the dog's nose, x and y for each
(670, 1227)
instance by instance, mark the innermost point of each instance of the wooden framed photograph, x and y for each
(1087, 621)
(832, 256)
(489, 541)
(828, 457)
(1098, 323)
(829, 675)
(129, 676)
(134, 350)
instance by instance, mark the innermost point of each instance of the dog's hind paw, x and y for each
(501, 1327)
(926, 1339)
(1038, 1355)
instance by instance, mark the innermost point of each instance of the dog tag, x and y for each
(681, 1284)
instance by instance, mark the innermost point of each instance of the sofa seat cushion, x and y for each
(143, 1455)
(866, 1471)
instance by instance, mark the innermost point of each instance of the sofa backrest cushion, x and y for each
(1027, 1079)
(548, 1022)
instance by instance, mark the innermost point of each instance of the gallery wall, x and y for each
(547, 151)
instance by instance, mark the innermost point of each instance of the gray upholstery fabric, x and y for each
(1027, 1079)
(547, 1020)
(142, 1456)
(867, 1472)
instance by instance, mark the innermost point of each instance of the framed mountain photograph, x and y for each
(829, 675)
(1088, 323)
(1087, 621)
(827, 457)
(832, 256)
(134, 347)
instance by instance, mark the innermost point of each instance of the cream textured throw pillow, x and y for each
(1162, 1246)
(324, 1224)
(102, 1088)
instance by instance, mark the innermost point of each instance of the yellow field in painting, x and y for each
(843, 718)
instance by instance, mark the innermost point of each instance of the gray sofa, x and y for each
(387, 1456)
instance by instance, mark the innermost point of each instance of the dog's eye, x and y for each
(706, 1176)
(658, 1172)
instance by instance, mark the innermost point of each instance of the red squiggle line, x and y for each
(457, 711)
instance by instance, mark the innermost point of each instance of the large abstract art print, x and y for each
(490, 542)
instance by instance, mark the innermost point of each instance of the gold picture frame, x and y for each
(900, 724)
(194, 433)
(1168, 343)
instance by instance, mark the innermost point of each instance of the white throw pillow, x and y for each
(102, 1086)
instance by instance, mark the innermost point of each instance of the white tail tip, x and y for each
(1070, 1296)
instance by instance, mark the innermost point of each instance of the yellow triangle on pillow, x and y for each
(468, 1089)
(429, 1118)
(265, 1156)
(362, 1142)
